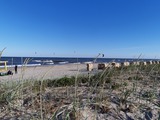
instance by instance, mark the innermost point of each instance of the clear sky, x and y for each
(84, 28)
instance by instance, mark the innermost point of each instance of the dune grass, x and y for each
(134, 89)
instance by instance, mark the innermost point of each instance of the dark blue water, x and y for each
(60, 60)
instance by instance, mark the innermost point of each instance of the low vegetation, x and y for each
(124, 93)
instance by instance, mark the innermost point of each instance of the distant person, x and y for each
(16, 69)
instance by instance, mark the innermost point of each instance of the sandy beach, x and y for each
(47, 72)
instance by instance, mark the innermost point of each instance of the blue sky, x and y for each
(84, 28)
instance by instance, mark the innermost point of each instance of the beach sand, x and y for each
(48, 72)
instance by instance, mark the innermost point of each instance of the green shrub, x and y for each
(65, 81)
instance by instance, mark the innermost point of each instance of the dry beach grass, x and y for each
(124, 93)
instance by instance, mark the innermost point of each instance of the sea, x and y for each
(35, 61)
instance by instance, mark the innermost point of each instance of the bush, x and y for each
(65, 82)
